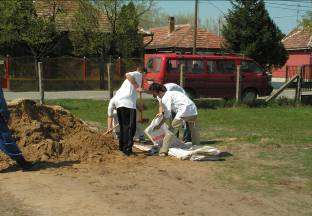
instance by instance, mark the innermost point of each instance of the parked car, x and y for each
(209, 75)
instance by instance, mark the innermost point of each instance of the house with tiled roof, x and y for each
(179, 38)
(298, 44)
(67, 9)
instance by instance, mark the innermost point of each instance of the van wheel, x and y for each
(191, 93)
(249, 96)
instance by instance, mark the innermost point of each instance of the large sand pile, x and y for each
(53, 133)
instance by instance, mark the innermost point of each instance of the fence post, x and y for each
(119, 66)
(109, 80)
(182, 75)
(41, 87)
(238, 84)
(84, 68)
(298, 89)
(7, 71)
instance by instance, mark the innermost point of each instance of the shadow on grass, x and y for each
(210, 142)
(41, 165)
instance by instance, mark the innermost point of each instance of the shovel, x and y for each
(109, 131)
(142, 120)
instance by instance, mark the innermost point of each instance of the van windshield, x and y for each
(153, 65)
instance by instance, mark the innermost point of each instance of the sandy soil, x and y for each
(133, 186)
(106, 183)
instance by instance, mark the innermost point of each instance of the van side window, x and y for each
(226, 66)
(173, 66)
(211, 66)
(153, 65)
(251, 67)
(194, 66)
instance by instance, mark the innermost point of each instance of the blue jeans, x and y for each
(7, 144)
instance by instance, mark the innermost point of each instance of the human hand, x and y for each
(139, 89)
(157, 127)
(158, 115)
(108, 130)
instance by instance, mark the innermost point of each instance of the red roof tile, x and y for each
(298, 39)
(182, 37)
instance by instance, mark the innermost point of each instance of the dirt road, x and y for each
(134, 186)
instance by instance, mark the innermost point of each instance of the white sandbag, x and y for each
(143, 147)
(180, 153)
(157, 135)
(186, 152)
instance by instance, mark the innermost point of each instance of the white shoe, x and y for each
(163, 154)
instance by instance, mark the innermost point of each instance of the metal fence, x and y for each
(64, 73)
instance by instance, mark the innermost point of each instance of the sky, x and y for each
(284, 13)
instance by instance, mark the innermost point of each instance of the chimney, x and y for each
(171, 24)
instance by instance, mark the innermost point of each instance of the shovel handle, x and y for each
(141, 107)
(109, 131)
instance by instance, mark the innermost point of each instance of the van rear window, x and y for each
(153, 65)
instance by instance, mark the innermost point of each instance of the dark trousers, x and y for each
(127, 124)
(7, 144)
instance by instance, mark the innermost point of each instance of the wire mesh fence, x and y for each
(65, 73)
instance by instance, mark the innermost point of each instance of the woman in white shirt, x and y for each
(185, 109)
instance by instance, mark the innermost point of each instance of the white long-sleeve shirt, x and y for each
(111, 109)
(179, 103)
(126, 95)
(172, 87)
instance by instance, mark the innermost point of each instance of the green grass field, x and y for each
(271, 146)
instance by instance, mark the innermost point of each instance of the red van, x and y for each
(209, 75)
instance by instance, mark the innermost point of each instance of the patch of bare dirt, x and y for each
(53, 133)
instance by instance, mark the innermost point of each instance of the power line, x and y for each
(287, 5)
(285, 8)
(216, 7)
(280, 17)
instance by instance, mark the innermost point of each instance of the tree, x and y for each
(123, 18)
(86, 36)
(129, 40)
(250, 30)
(156, 17)
(306, 21)
(213, 25)
(113, 10)
(20, 23)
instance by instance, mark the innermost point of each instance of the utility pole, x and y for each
(219, 26)
(298, 14)
(195, 27)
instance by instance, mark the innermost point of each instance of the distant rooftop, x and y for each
(181, 36)
(298, 39)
